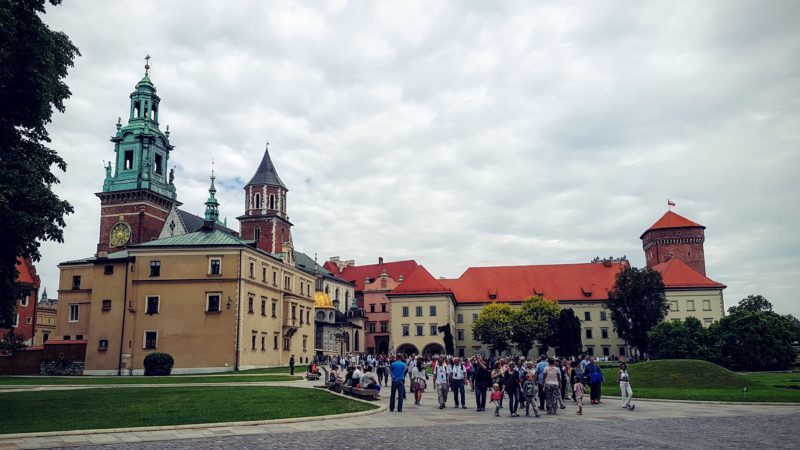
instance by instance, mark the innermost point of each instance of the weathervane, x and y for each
(147, 64)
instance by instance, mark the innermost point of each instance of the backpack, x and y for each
(596, 377)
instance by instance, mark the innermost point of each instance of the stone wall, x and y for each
(61, 367)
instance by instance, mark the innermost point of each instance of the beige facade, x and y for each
(704, 304)
(254, 311)
(415, 321)
(45, 324)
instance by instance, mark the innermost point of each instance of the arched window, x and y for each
(257, 201)
(336, 295)
(346, 296)
(271, 201)
(327, 291)
(321, 315)
(136, 109)
(257, 235)
(355, 341)
(330, 316)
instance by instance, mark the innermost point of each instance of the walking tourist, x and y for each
(497, 399)
(482, 379)
(511, 384)
(530, 389)
(552, 385)
(625, 387)
(419, 377)
(540, 379)
(579, 391)
(458, 374)
(291, 365)
(383, 376)
(442, 374)
(596, 379)
(398, 369)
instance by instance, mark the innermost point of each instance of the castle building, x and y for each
(23, 323)
(45, 319)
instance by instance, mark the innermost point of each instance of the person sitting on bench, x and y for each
(370, 381)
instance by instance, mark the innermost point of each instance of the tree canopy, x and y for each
(637, 304)
(493, 326)
(535, 321)
(33, 64)
(752, 303)
(568, 341)
(686, 339)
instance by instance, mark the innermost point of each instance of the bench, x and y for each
(366, 394)
(347, 390)
(333, 386)
(312, 376)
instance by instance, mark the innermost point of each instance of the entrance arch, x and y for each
(432, 349)
(407, 349)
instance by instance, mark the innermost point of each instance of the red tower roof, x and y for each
(677, 274)
(672, 220)
(420, 282)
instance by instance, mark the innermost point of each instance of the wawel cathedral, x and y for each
(166, 280)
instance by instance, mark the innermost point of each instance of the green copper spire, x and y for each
(142, 150)
(212, 205)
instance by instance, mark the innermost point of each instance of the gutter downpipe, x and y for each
(238, 311)
(124, 314)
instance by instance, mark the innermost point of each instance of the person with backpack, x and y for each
(458, 374)
(530, 390)
(595, 381)
(443, 378)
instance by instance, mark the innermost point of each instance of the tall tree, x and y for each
(493, 326)
(535, 321)
(33, 64)
(637, 304)
(753, 303)
(679, 340)
(569, 334)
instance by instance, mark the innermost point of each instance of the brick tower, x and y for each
(265, 220)
(138, 196)
(674, 236)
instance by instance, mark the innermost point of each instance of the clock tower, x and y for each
(138, 192)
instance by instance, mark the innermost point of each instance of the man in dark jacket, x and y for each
(291, 364)
(483, 380)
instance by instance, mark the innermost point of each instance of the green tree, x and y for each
(637, 304)
(33, 64)
(12, 342)
(754, 303)
(569, 334)
(794, 327)
(754, 340)
(493, 326)
(679, 340)
(535, 321)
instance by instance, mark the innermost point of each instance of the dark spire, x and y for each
(266, 173)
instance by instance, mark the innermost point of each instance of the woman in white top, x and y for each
(625, 387)
(418, 383)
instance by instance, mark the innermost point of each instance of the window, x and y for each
(67, 337)
(155, 268)
(150, 339)
(622, 351)
(305, 345)
(258, 202)
(604, 333)
(308, 316)
(419, 311)
(383, 307)
(372, 327)
(102, 344)
(336, 294)
(405, 332)
(252, 269)
(474, 317)
(212, 303)
(432, 310)
(45, 337)
(274, 308)
(301, 315)
(588, 333)
(708, 321)
(28, 320)
(603, 315)
(253, 341)
(76, 282)
(263, 274)
(272, 203)
(128, 163)
(372, 307)
(434, 329)
(106, 305)
(384, 327)
(79, 337)
(461, 352)
(159, 163)
(264, 307)
(590, 351)
(673, 305)
(74, 311)
(152, 305)
(706, 305)
(420, 330)
(108, 270)
(690, 305)
(294, 311)
(460, 318)
(460, 335)
(405, 311)
(606, 351)
(275, 342)
(214, 267)
(286, 343)
(275, 278)
(587, 315)
(250, 301)
(287, 283)
(263, 343)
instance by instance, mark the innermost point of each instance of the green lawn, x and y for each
(702, 380)
(138, 407)
(298, 370)
(90, 380)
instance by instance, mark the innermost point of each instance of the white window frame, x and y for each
(215, 258)
(208, 301)
(16, 321)
(144, 339)
(23, 301)
(147, 300)
(77, 312)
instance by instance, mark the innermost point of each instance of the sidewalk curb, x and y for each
(714, 402)
(4, 438)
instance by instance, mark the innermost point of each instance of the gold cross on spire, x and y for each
(147, 64)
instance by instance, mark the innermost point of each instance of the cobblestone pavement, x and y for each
(687, 433)
(652, 425)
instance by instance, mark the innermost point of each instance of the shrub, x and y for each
(158, 364)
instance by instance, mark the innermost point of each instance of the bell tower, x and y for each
(675, 236)
(265, 220)
(138, 193)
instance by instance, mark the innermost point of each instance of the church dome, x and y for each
(322, 300)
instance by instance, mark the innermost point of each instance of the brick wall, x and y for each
(29, 361)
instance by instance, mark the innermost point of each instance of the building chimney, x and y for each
(380, 260)
(350, 263)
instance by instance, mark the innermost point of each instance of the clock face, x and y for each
(120, 234)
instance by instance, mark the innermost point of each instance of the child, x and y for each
(579, 393)
(497, 399)
(531, 390)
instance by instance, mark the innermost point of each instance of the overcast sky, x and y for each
(461, 134)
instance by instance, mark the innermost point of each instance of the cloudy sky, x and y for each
(462, 134)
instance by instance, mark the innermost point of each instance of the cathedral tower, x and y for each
(265, 220)
(138, 192)
(674, 236)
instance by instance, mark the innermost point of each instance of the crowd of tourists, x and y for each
(545, 385)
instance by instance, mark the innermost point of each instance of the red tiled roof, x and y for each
(672, 220)
(24, 275)
(420, 282)
(589, 281)
(677, 274)
(359, 273)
